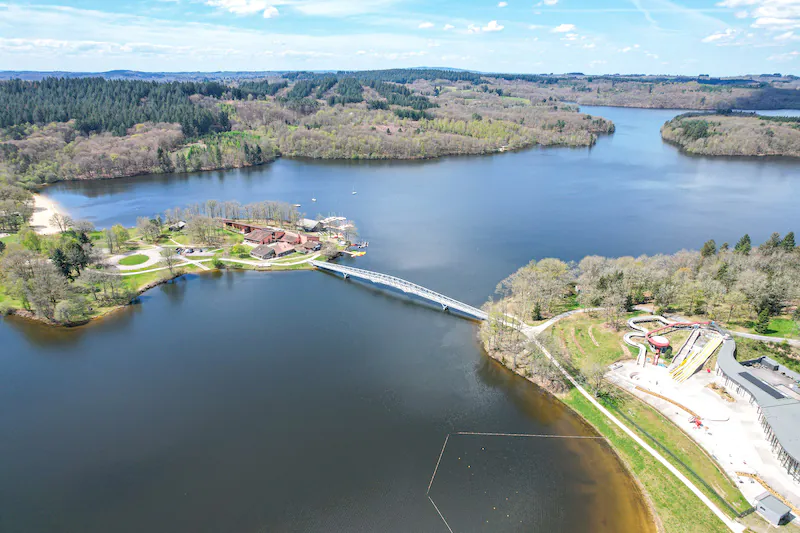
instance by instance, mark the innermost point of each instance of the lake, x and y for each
(296, 401)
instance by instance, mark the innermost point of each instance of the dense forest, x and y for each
(97, 105)
(91, 127)
(88, 128)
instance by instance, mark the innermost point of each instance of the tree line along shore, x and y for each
(76, 273)
(85, 128)
(745, 287)
(734, 134)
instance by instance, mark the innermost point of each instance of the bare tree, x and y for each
(62, 222)
(170, 259)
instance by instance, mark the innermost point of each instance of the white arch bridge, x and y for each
(407, 287)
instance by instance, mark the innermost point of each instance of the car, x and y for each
(190, 250)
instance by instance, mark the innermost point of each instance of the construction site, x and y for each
(745, 414)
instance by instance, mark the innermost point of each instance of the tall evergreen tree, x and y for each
(709, 248)
(762, 323)
(744, 245)
(788, 242)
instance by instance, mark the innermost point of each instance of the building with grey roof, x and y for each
(772, 509)
(778, 414)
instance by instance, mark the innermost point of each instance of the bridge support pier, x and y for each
(345, 275)
(445, 308)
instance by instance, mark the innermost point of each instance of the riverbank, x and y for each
(734, 135)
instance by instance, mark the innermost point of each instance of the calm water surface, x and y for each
(253, 402)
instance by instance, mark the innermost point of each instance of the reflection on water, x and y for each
(243, 401)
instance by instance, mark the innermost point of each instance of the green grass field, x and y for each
(133, 260)
(678, 510)
(581, 346)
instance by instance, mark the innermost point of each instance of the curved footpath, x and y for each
(532, 332)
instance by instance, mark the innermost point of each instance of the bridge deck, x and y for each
(403, 285)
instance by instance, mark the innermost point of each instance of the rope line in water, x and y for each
(440, 514)
(441, 454)
(437, 464)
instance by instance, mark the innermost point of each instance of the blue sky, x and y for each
(718, 37)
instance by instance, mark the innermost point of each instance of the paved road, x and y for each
(764, 338)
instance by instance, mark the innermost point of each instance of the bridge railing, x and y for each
(405, 286)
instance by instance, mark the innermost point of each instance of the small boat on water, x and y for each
(296, 205)
(354, 190)
(313, 199)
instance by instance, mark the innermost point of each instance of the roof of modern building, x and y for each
(772, 503)
(781, 412)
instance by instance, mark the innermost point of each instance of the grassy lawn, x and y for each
(581, 344)
(140, 280)
(685, 449)
(10, 239)
(302, 266)
(778, 327)
(133, 260)
(678, 509)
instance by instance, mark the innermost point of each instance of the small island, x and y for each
(734, 134)
(69, 273)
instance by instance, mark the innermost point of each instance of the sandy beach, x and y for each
(43, 209)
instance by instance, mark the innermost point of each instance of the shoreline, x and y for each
(43, 210)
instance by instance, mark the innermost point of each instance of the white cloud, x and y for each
(768, 14)
(626, 49)
(788, 36)
(547, 3)
(448, 27)
(361, 52)
(590, 45)
(245, 7)
(570, 37)
(721, 36)
(536, 27)
(789, 56)
(337, 8)
(425, 25)
(502, 4)
(472, 28)
(493, 26)
(776, 23)
(564, 28)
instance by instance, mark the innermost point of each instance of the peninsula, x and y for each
(734, 134)
(69, 273)
(601, 324)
